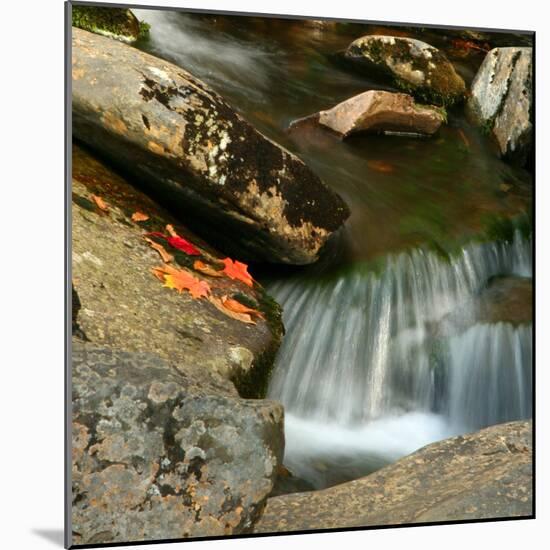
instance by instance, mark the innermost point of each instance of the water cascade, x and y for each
(377, 364)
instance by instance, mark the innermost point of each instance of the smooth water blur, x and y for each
(383, 352)
(402, 191)
(399, 350)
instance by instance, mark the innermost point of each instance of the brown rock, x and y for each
(250, 196)
(380, 111)
(487, 474)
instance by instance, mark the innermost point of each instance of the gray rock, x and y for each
(501, 100)
(252, 197)
(155, 459)
(412, 65)
(123, 305)
(487, 474)
(380, 111)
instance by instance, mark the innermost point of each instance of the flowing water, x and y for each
(385, 350)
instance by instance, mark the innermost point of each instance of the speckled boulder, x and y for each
(250, 196)
(501, 100)
(378, 111)
(152, 459)
(487, 474)
(412, 65)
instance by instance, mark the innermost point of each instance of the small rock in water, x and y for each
(380, 111)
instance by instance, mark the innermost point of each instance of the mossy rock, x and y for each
(413, 66)
(117, 23)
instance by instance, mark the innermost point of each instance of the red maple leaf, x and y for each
(177, 242)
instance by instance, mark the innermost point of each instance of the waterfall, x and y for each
(368, 348)
(489, 375)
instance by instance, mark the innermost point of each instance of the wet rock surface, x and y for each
(122, 305)
(412, 65)
(156, 458)
(378, 111)
(501, 100)
(252, 197)
(507, 300)
(486, 474)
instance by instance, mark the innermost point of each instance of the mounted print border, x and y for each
(300, 274)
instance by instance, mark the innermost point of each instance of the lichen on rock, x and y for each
(155, 459)
(188, 147)
(414, 66)
(501, 101)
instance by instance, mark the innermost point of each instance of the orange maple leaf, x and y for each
(139, 217)
(181, 279)
(206, 269)
(237, 270)
(101, 204)
(242, 317)
(237, 307)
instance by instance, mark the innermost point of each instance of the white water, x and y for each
(374, 366)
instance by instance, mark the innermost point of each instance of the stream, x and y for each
(385, 348)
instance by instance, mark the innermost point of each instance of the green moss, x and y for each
(115, 22)
(254, 384)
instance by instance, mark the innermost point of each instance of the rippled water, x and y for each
(383, 351)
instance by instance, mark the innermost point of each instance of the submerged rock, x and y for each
(487, 474)
(413, 66)
(501, 100)
(250, 196)
(122, 305)
(155, 459)
(507, 300)
(117, 23)
(384, 112)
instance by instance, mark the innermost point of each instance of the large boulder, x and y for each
(123, 305)
(487, 474)
(501, 100)
(250, 196)
(118, 23)
(381, 112)
(412, 65)
(155, 458)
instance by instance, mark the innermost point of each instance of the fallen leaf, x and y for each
(185, 246)
(139, 217)
(171, 230)
(181, 279)
(166, 257)
(177, 242)
(100, 203)
(237, 270)
(206, 269)
(242, 317)
(237, 307)
(380, 166)
(505, 187)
